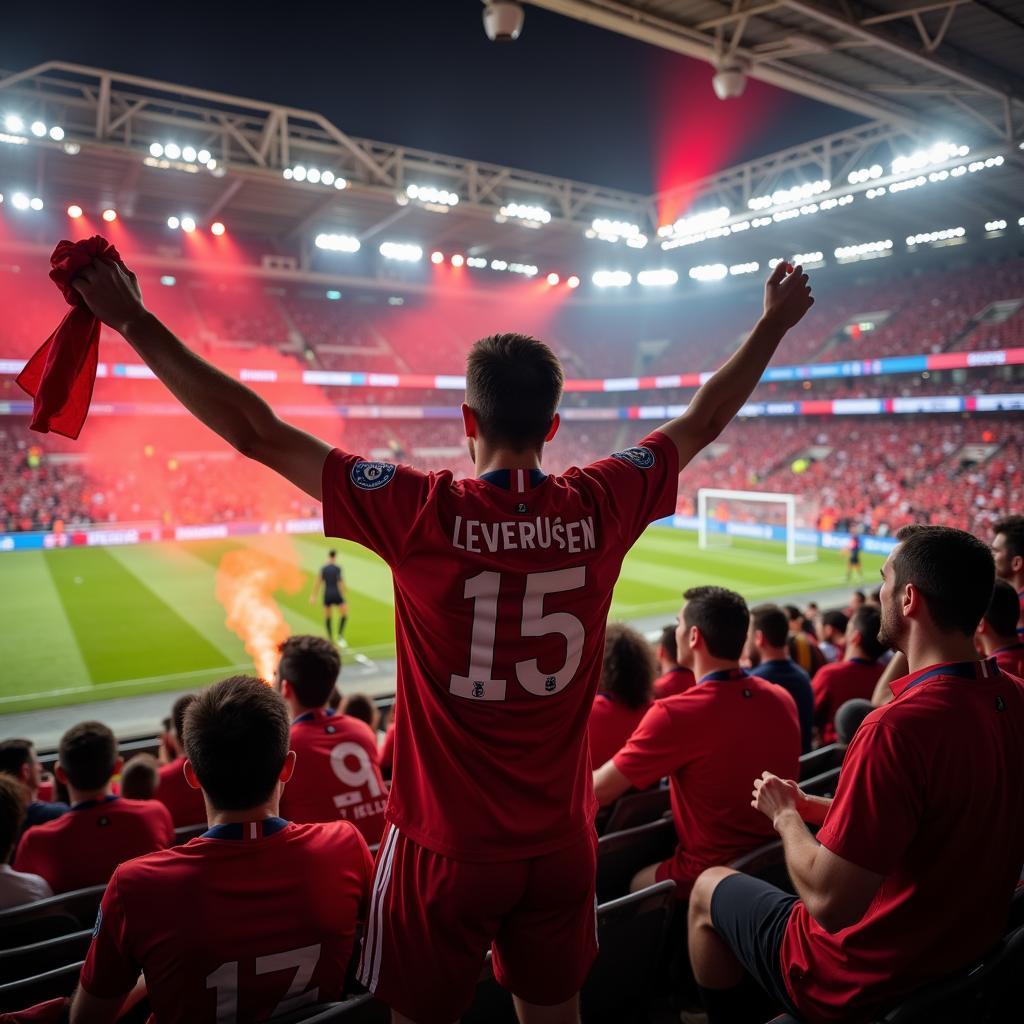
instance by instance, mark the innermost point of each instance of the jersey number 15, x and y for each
(483, 590)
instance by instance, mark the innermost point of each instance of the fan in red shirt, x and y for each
(674, 678)
(83, 847)
(185, 803)
(502, 587)
(624, 692)
(929, 807)
(708, 740)
(855, 678)
(255, 918)
(997, 632)
(337, 768)
(1008, 552)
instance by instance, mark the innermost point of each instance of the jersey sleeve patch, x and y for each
(642, 458)
(372, 476)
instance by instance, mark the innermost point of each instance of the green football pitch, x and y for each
(82, 624)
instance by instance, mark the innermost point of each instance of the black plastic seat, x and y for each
(768, 863)
(824, 759)
(45, 919)
(19, 995)
(631, 935)
(39, 957)
(823, 784)
(620, 855)
(638, 808)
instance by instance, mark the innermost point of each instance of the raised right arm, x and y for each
(225, 405)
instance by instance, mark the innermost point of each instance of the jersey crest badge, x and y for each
(642, 458)
(372, 476)
(522, 508)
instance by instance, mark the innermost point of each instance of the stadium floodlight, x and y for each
(939, 153)
(74, 211)
(553, 279)
(1020, 222)
(709, 272)
(807, 259)
(863, 250)
(188, 224)
(526, 269)
(499, 265)
(611, 278)
(204, 156)
(864, 174)
(694, 222)
(217, 228)
(432, 196)
(57, 133)
(38, 129)
(327, 177)
(189, 154)
(574, 282)
(786, 196)
(613, 230)
(35, 203)
(299, 172)
(529, 214)
(14, 124)
(174, 223)
(403, 252)
(337, 243)
(662, 278)
(477, 262)
(333, 294)
(930, 237)
(313, 175)
(20, 201)
(168, 281)
(172, 151)
(458, 259)
(437, 257)
(995, 225)
(109, 215)
(156, 150)
(744, 268)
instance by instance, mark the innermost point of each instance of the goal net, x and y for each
(723, 516)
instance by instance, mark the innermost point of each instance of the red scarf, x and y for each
(60, 377)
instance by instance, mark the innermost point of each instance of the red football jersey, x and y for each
(249, 921)
(186, 804)
(84, 846)
(337, 774)
(712, 742)
(675, 680)
(1011, 659)
(836, 683)
(611, 724)
(502, 589)
(930, 798)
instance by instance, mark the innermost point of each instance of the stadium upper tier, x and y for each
(965, 471)
(877, 310)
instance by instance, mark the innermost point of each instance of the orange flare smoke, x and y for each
(246, 581)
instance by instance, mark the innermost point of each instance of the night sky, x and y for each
(566, 99)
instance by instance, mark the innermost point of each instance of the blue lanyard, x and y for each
(309, 716)
(722, 675)
(237, 829)
(959, 669)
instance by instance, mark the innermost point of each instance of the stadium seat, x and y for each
(824, 759)
(821, 785)
(1016, 909)
(17, 995)
(37, 957)
(768, 863)
(631, 934)
(620, 855)
(363, 1009)
(632, 809)
(46, 919)
(185, 833)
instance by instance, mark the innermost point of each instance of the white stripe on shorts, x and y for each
(369, 966)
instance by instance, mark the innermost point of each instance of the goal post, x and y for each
(724, 514)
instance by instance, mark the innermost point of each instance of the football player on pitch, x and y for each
(502, 589)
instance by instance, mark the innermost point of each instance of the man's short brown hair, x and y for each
(87, 753)
(311, 665)
(236, 737)
(513, 385)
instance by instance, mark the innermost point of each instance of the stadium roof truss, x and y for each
(111, 120)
